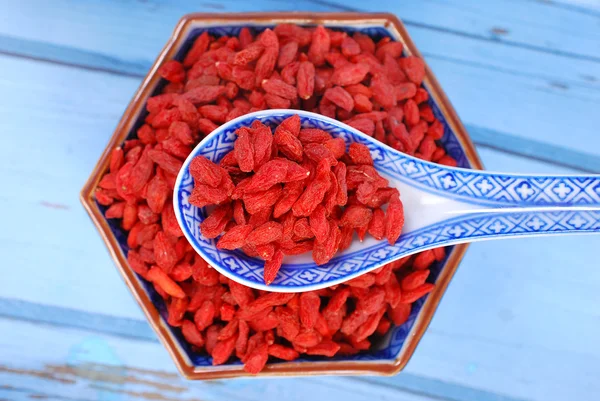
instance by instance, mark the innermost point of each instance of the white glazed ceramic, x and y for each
(443, 206)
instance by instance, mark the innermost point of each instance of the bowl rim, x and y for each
(122, 130)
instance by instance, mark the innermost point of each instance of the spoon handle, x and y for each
(513, 205)
(496, 190)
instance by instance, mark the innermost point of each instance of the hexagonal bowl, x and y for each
(395, 349)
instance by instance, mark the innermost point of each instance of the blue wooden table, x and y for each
(521, 319)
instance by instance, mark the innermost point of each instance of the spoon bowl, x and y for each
(442, 206)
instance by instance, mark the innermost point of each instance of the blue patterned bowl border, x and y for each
(390, 345)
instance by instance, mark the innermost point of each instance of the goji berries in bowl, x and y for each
(212, 327)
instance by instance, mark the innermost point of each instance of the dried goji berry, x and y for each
(241, 342)
(255, 360)
(291, 192)
(203, 94)
(315, 152)
(172, 71)
(191, 333)
(319, 46)
(414, 68)
(229, 331)
(399, 314)
(257, 201)
(362, 281)
(181, 272)
(377, 224)
(164, 252)
(411, 296)
(369, 326)
(307, 339)
(266, 233)
(350, 47)
(436, 130)
(394, 219)
(243, 149)
(383, 91)
(211, 337)
(282, 352)
(371, 302)
(356, 216)
(129, 216)
(235, 238)
(313, 135)
(269, 174)
(261, 217)
(302, 229)
(447, 161)
(289, 73)
(319, 224)
(222, 350)
(272, 267)
(314, 192)
(198, 48)
(136, 263)
(325, 348)
(414, 280)
(309, 309)
(265, 64)
(167, 162)
(393, 49)
(116, 159)
(423, 260)
(241, 294)
(265, 323)
(176, 311)
(288, 144)
(323, 252)
(250, 53)
(279, 88)
(340, 97)
(297, 248)
(262, 143)
(115, 211)
(439, 253)
(349, 74)
(215, 223)
(161, 279)
(353, 322)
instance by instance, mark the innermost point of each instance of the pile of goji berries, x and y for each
(368, 85)
(270, 220)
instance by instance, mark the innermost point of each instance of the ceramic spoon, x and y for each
(442, 206)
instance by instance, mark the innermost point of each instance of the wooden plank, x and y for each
(591, 7)
(66, 364)
(55, 165)
(535, 25)
(520, 145)
(470, 67)
(517, 317)
(43, 313)
(534, 149)
(57, 132)
(80, 128)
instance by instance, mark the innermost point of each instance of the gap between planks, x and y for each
(450, 31)
(483, 137)
(96, 372)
